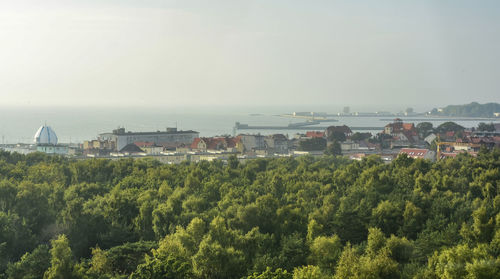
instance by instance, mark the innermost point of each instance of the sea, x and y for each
(77, 124)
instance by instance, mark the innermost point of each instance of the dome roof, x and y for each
(45, 135)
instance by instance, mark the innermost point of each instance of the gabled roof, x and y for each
(194, 145)
(144, 143)
(131, 148)
(414, 152)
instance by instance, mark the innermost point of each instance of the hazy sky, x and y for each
(165, 53)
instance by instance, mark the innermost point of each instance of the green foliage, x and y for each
(470, 110)
(337, 136)
(325, 252)
(333, 148)
(360, 136)
(486, 127)
(314, 144)
(270, 274)
(424, 129)
(300, 217)
(61, 262)
(309, 272)
(31, 265)
(449, 127)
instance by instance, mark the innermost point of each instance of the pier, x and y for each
(297, 126)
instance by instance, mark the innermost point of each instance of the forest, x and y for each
(473, 109)
(286, 218)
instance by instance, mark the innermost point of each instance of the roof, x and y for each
(131, 148)
(315, 134)
(343, 129)
(215, 143)
(194, 145)
(414, 152)
(45, 135)
(144, 143)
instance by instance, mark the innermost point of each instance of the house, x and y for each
(315, 134)
(403, 134)
(418, 153)
(404, 131)
(227, 144)
(349, 145)
(253, 142)
(131, 149)
(342, 129)
(149, 148)
(277, 143)
(171, 138)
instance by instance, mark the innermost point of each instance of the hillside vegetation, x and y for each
(269, 218)
(473, 109)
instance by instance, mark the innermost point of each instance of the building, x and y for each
(214, 144)
(276, 144)
(45, 136)
(46, 141)
(402, 134)
(338, 129)
(170, 138)
(253, 142)
(150, 148)
(53, 149)
(315, 134)
(98, 147)
(418, 153)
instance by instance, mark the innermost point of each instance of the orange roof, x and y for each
(414, 152)
(194, 145)
(315, 134)
(144, 143)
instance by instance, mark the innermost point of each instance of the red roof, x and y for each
(315, 134)
(144, 143)
(414, 152)
(194, 145)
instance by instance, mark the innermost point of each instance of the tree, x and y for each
(31, 265)
(449, 127)
(333, 149)
(360, 136)
(215, 261)
(61, 262)
(314, 144)
(424, 129)
(337, 136)
(270, 274)
(486, 127)
(325, 252)
(309, 272)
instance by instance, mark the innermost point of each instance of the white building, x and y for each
(45, 135)
(171, 137)
(46, 141)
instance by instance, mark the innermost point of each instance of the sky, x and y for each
(161, 53)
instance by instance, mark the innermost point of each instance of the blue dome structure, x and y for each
(45, 136)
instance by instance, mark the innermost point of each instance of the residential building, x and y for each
(169, 138)
(418, 153)
(277, 143)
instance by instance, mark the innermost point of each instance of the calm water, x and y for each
(79, 124)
